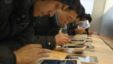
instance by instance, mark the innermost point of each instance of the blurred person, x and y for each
(84, 24)
(72, 28)
(16, 33)
(49, 17)
(89, 18)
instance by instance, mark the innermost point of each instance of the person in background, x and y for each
(84, 24)
(89, 18)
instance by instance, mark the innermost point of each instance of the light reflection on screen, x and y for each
(59, 62)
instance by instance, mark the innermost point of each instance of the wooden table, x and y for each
(101, 51)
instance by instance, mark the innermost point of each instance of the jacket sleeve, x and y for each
(29, 37)
(47, 41)
(7, 56)
(23, 17)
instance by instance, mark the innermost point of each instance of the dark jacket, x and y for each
(46, 25)
(46, 28)
(7, 56)
(16, 24)
(16, 29)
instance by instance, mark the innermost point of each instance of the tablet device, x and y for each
(65, 61)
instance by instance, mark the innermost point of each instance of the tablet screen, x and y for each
(59, 62)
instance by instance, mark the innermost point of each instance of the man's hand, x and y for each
(62, 39)
(30, 53)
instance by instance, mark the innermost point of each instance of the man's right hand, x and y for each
(30, 53)
(62, 39)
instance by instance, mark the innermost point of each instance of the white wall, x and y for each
(107, 21)
(98, 10)
(88, 5)
(109, 4)
(102, 15)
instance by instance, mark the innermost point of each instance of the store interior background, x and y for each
(102, 14)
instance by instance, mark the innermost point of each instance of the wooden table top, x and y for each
(103, 53)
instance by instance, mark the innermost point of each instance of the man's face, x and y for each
(51, 7)
(66, 15)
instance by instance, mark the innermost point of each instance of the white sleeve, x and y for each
(86, 24)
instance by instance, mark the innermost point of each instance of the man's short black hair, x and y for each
(67, 2)
(76, 6)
